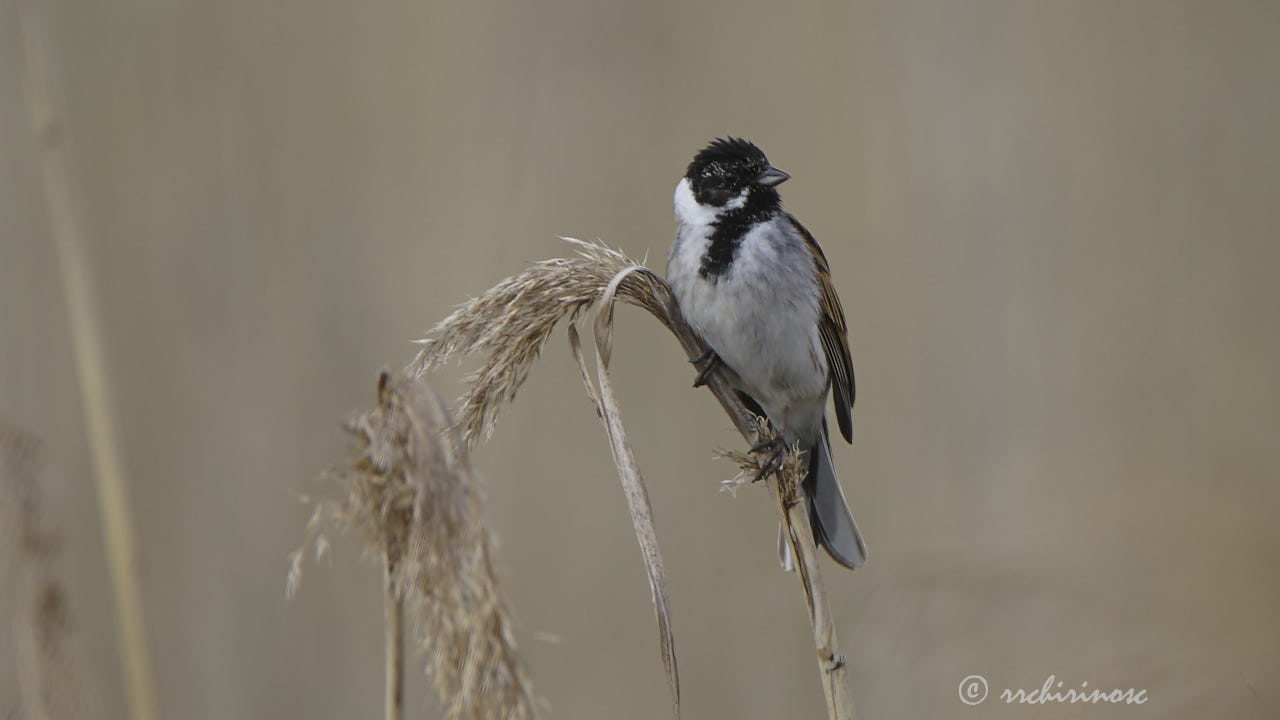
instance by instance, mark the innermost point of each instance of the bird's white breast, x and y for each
(761, 314)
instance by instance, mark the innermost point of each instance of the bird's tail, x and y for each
(833, 524)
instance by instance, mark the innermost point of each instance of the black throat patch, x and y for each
(732, 226)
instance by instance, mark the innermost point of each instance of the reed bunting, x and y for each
(754, 285)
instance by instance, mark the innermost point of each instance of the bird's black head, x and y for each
(725, 168)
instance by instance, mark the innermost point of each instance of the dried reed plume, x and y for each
(511, 322)
(410, 492)
(46, 669)
(508, 326)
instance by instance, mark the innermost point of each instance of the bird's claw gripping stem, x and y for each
(706, 363)
(776, 447)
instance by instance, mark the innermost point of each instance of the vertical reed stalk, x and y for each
(69, 241)
(393, 613)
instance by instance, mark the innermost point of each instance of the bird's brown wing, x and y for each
(834, 334)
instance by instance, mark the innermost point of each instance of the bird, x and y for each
(754, 285)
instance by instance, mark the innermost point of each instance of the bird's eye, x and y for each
(717, 196)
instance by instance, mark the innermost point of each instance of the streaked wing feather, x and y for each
(834, 334)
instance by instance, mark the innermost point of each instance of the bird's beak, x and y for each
(772, 176)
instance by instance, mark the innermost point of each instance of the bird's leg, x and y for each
(706, 363)
(776, 446)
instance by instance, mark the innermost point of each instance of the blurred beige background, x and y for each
(1053, 226)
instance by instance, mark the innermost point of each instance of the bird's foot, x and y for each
(775, 449)
(706, 363)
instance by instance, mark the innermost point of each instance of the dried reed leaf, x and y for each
(411, 493)
(629, 472)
